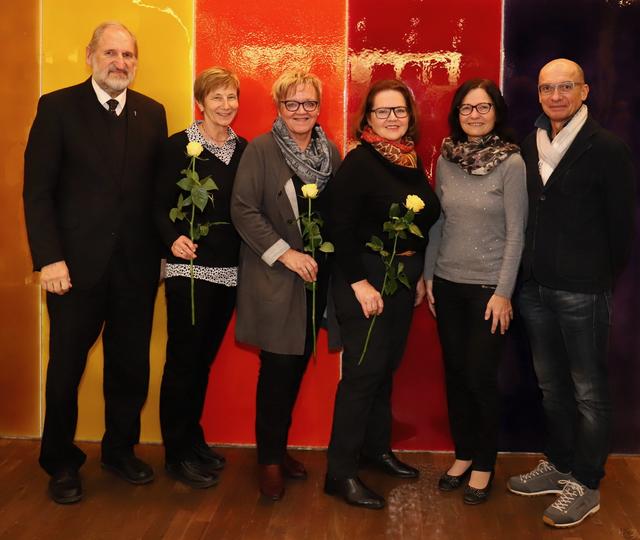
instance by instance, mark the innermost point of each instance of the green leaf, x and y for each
(186, 184)
(187, 201)
(173, 214)
(388, 226)
(399, 226)
(199, 197)
(395, 210)
(391, 287)
(203, 229)
(400, 268)
(402, 234)
(402, 278)
(414, 229)
(384, 253)
(209, 184)
(408, 217)
(327, 247)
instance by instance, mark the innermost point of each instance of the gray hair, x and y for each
(97, 34)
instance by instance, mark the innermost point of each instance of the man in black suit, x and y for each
(88, 179)
(581, 203)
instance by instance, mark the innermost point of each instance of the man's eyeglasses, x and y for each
(382, 113)
(482, 108)
(293, 106)
(563, 88)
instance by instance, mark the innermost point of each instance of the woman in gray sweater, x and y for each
(471, 265)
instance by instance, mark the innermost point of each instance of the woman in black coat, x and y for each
(191, 348)
(384, 169)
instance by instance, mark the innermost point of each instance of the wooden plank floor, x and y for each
(233, 510)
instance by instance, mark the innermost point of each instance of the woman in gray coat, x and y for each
(273, 306)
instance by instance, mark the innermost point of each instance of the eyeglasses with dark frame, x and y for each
(382, 113)
(563, 88)
(292, 105)
(466, 109)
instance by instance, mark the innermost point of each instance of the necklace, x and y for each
(209, 138)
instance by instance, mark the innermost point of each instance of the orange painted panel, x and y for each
(19, 293)
(259, 41)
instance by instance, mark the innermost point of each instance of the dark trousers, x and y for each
(191, 349)
(125, 308)
(569, 333)
(471, 355)
(362, 413)
(279, 383)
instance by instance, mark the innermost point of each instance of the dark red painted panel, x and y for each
(433, 46)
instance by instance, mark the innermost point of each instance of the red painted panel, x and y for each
(258, 40)
(433, 46)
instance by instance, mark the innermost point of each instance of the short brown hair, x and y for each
(374, 90)
(212, 78)
(97, 34)
(292, 79)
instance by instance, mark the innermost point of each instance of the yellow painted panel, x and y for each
(165, 72)
(19, 294)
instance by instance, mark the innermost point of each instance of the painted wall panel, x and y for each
(602, 36)
(259, 41)
(164, 73)
(19, 293)
(433, 47)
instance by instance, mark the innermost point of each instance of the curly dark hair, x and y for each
(499, 104)
(374, 90)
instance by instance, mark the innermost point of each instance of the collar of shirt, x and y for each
(103, 97)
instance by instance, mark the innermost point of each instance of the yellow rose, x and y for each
(310, 191)
(194, 149)
(414, 203)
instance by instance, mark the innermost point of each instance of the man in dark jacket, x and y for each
(89, 166)
(581, 203)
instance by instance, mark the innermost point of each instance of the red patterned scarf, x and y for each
(400, 152)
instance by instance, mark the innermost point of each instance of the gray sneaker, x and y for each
(574, 504)
(542, 480)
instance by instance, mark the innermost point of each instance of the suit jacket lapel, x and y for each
(579, 145)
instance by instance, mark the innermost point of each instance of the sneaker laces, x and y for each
(542, 468)
(570, 492)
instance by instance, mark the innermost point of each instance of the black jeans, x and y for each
(362, 414)
(279, 383)
(471, 355)
(569, 334)
(191, 349)
(123, 309)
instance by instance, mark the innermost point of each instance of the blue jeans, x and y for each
(569, 333)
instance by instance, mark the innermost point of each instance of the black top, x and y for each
(221, 246)
(580, 226)
(365, 186)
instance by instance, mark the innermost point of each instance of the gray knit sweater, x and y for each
(479, 236)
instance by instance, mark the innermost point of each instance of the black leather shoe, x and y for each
(354, 492)
(65, 487)
(129, 468)
(448, 482)
(477, 496)
(192, 473)
(207, 456)
(388, 463)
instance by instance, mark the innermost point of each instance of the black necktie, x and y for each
(113, 103)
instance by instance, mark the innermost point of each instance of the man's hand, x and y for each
(54, 278)
(369, 298)
(303, 265)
